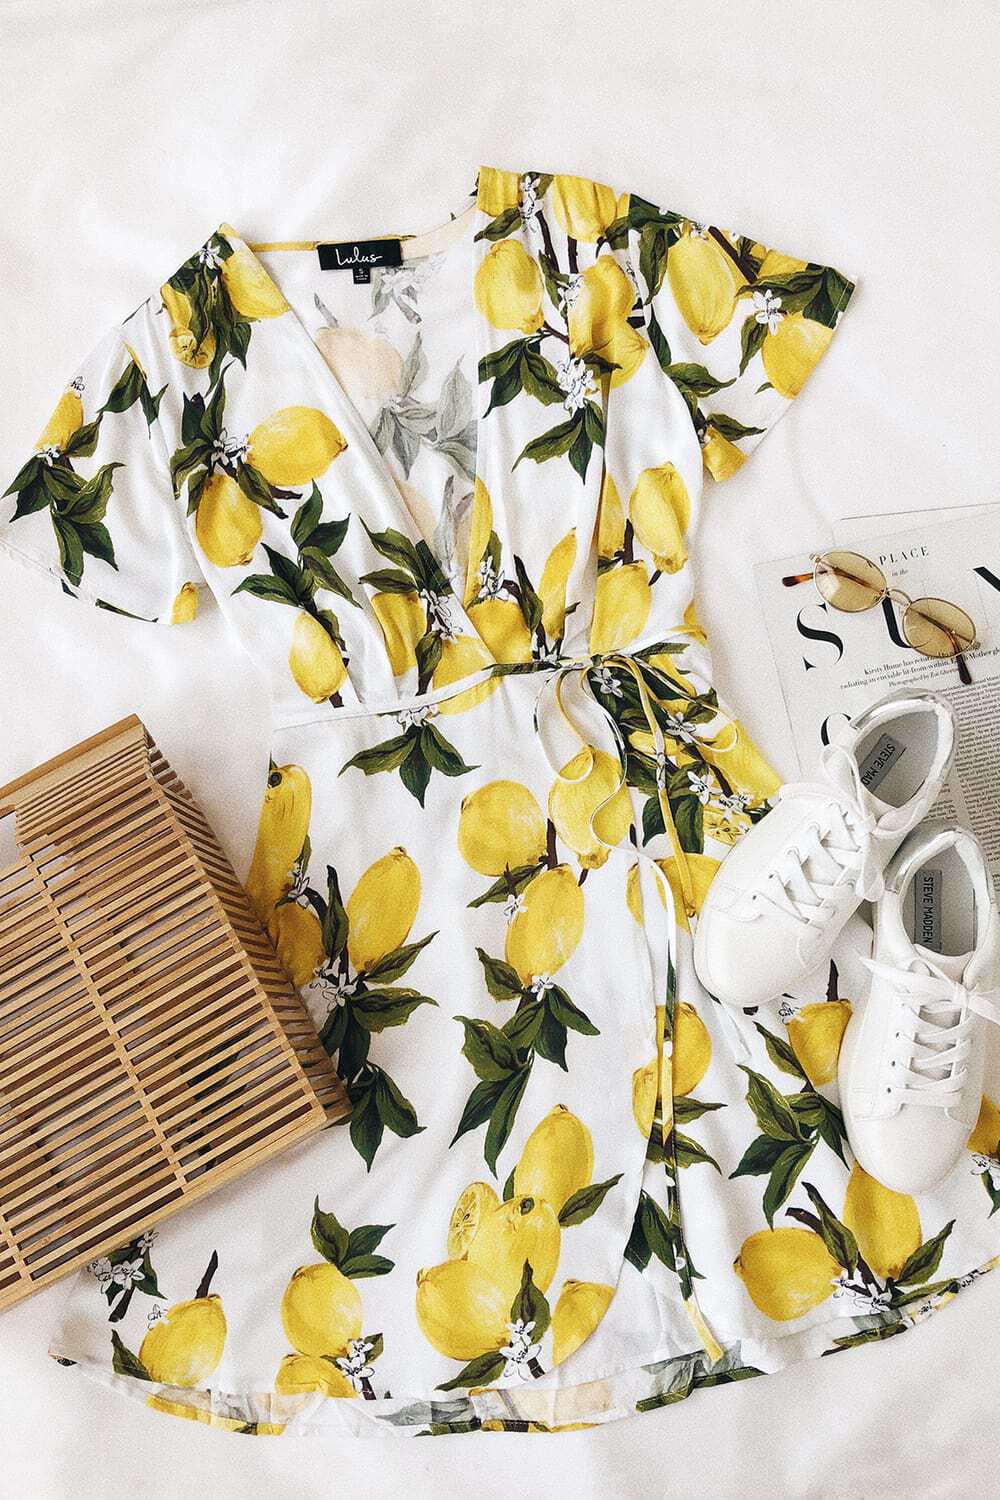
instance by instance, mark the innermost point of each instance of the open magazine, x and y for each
(832, 664)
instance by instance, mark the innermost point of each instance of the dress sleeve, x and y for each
(92, 504)
(737, 326)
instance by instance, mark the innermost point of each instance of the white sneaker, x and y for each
(784, 892)
(911, 1064)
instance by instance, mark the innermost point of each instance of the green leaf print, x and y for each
(925, 1260)
(586, 1201)
(124, 1362)
(478, 1371)
(502, 1116)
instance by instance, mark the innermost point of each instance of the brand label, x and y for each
(927, 908)
(359, 256)
(880, 761)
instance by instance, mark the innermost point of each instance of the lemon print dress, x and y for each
(452, 513)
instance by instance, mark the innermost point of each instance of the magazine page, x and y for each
(833, 664)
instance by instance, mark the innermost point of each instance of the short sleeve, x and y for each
(738, 326)
(92, 506)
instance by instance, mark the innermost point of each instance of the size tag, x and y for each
(359, 256)
(927, 908)
(879, 761)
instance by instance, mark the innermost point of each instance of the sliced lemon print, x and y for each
(251, 291)
(461, 1310)
(787, 1272)
(281, 832)
(475, 1204)
(545, 932)
(791, 353)
(501, 827)
(557, 1159)
(184, 1347)
(885, 1224)
(574, 801)
(227, 523)
(509, 288)
(381, 909)
(320, 1310)
(581, 1306)
(522, 1229)
(702, 283)
(294, 445)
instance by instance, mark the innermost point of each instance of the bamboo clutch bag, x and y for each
(152, 1047)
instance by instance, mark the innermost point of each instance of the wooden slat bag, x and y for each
(152, 1047)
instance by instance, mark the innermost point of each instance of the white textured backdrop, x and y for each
(861, 135)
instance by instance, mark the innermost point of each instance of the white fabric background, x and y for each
(860, 135)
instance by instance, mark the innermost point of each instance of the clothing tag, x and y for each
(880, 761)
(360, 256)
(927, 908)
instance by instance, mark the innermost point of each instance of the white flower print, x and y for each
(700, 786)
(767, 309)
(786, 1011)
(156, 1314)
(608, 681)
(570, 290)
(101, 1268)
(662, 769)
(49, 453)
(439, 618)
(512, 906)
(145, 1241)
(542, 984)
(864, 1300)
(699, 231)
(229, 450)
(519, 1350)
(988, 1164)
(491, 585)
(530, 205)
(576, 381)
(207, 256)
(127, 1272)
(353, 1363)
(678, 730)
(408, 718)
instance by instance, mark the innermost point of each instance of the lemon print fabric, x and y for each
(454, 514)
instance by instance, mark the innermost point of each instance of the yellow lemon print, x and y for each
(610, 519)
(885, 1224)
(314, 660)
(692, 1049)
(320, 1310)
(645, 1083)
(381, 909)
(227, 524)
(369, 368)
(500, 827)
(461, 657)
(702, 284)
(583, 209)
(297, 936)
(720, 455)
(475, 1204)
(184, 1347)
(281, 832)
(294, 445)
(735, 755)
(64, 421)
(702, 869)
(598, 319)
(251, 291)
(660, 511)
(522, 1229)
(509, 288)
(498, 191)
(985, 1137)
(182, 341)
(552, 585)
(191, 1413)
(581, 1306)
(815, 1034)
(185, 605)
(403, 621)
(622, 601)
(574, 802)
(301, 1373)
(786, 1271)
(545, 933)
(480, 527)
(791, 353)
(503, 627)
(557, 1160)
(461, 1310)
(776, 264)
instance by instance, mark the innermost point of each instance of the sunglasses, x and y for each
(853, 583)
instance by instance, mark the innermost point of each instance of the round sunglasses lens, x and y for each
(849, 581)
(937, 628)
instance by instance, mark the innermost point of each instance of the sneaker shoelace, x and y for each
(844, 837)
(937, 1016)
